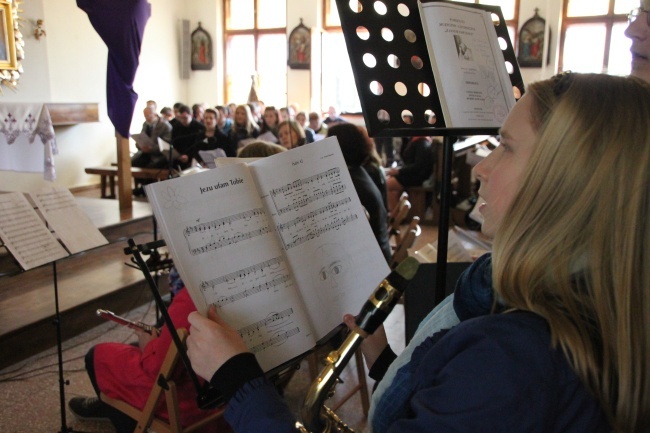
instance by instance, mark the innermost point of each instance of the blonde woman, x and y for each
(243, 126)
(567, 200)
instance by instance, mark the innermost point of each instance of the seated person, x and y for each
(417, 166)
(244, 128)
(301, 118)
(291, 134)
(356, 148)
(333, 117)
(260, 149)
(561, 353)
(167, 114)
(224, 122)
(127, 372)
(316, 125)
(184, 133)
(150, 156)
(270, 121)
(211, 138)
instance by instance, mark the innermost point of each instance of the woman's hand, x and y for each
(211, 343)
(373, 344)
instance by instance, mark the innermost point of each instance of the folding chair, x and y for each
(164, 385)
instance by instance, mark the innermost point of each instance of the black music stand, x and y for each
(383, 113)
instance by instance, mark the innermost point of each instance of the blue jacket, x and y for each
(495, 372)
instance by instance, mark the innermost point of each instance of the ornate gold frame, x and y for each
(12, 46)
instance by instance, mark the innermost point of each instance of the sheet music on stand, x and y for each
(394, 74)
(41, 228)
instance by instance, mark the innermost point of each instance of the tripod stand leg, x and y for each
(59, 347)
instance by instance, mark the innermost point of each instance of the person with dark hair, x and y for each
(166, 113)
(197, 112)
(184, 133)
(224, 123)
(356, 149)
(417, 166)
(211, 138)
(270, 122)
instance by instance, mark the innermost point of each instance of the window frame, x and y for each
(609, 20)
(256, 32)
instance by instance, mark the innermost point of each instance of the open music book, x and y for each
(281, 246)
(30, 241)
(468, 65)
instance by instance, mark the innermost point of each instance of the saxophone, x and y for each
(318, 418)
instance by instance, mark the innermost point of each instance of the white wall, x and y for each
(69, 65)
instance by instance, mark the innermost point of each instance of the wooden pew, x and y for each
(108, 174)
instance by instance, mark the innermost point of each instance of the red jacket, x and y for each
(125, 373)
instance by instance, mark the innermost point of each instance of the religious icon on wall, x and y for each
(300, 47)
(201, 50)
(531, 42)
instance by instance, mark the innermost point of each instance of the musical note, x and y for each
(225, 241)
(311, 215)
(242, 272)
(335, 224)
(212, 225)
(331, 173)
(278, 339)
(274, 317)
(225, 300)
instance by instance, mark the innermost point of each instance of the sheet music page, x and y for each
(69, 222)
(223, 245)
(323, 229)
(471, 77)
(24, 233)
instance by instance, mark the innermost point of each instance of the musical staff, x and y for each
(268, 285)
(214, 225)
(302, 192)
(274, 317)
(312, 215)
(242, 272)
(230, 230)
(24, 233)
(336, 224)
(278, 339)
(230, 240)
(332, 173)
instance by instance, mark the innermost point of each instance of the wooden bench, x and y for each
(108, 174)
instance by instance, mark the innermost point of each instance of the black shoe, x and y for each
(138, 192)
(89, 408)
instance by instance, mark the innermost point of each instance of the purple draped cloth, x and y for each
(120, 24)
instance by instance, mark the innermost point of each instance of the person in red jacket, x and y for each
(128, 372)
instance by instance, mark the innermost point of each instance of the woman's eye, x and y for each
(323, 275)
(337, 269)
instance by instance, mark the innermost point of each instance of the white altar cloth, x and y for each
(27, 140)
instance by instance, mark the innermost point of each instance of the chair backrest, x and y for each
(401, 250)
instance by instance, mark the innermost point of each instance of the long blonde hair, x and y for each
(575, 244)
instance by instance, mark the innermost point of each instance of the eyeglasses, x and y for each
(634, 14)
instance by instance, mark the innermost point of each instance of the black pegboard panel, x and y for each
(398, 33)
